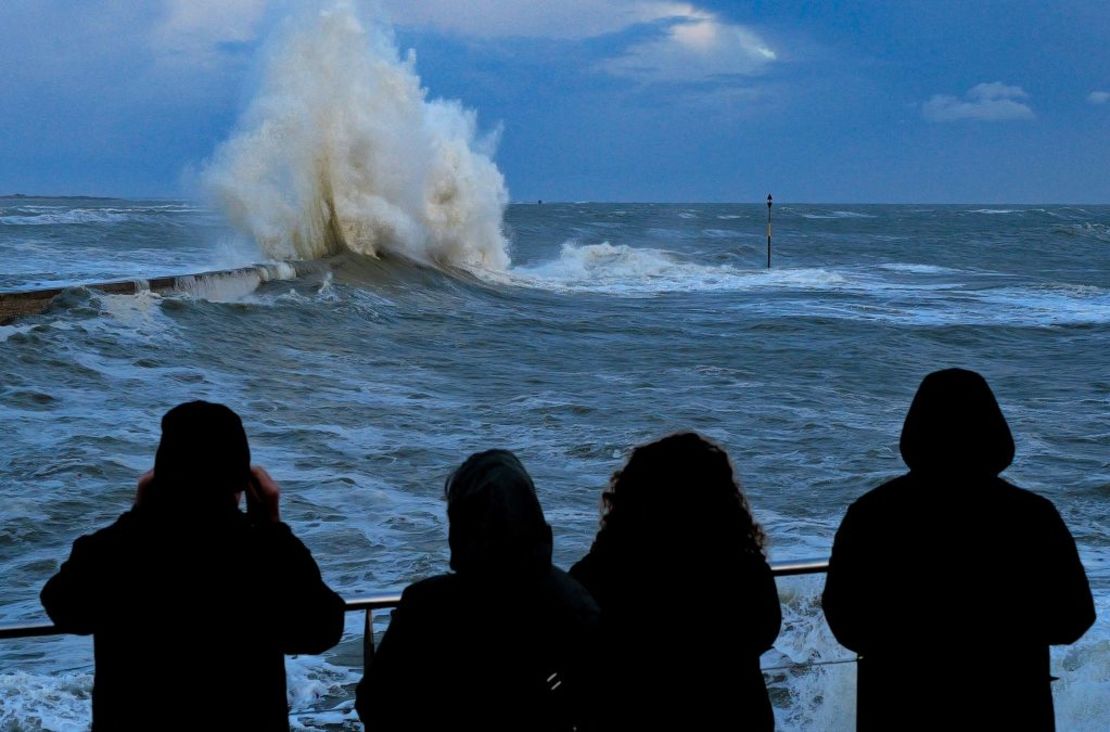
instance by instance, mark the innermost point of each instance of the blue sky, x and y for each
(623, 100)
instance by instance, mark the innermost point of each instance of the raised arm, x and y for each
(308, 615)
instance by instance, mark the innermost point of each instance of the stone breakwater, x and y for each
(22, 303)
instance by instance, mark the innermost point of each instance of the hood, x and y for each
(496, 524)
(956, 426)
(203, 453)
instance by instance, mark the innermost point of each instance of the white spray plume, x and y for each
(342, 150)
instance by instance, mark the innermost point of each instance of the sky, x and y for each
(930, 101)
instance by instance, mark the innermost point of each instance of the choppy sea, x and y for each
(364, 383)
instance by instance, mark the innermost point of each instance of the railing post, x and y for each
(368, 640)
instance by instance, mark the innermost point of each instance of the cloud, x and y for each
(688, 43)
(196, 32)
(1098, 97)
(989, 101)
(696, 45)
(685, 43)
(560, 19)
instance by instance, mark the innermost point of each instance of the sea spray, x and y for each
(341, 150)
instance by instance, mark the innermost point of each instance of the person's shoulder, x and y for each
(574, 594)
(432, 590)
(119, 531)
(885, 494)
(261, 531)
(588, 571)
(753, 562)
(1026, 500)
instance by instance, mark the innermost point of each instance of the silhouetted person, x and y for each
(503, 643)
(952, 583)
(688, 601)
(191, 602)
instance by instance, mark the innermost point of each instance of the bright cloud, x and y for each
(1098, 97)
(988, 101)
(693, 45)
(697, 45)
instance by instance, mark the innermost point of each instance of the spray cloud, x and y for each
(341, 150)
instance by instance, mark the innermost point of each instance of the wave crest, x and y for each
(342, 151)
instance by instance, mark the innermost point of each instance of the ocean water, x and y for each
(363, 384)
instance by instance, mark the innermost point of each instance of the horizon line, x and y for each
(545, 202)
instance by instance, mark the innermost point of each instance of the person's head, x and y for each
(676, 495)
(497, 527)
(203, 457)
(954, 425)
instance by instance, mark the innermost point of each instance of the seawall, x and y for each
(20, 303)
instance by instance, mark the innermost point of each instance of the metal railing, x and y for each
(391, 600)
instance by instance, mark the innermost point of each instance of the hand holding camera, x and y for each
(263, 494)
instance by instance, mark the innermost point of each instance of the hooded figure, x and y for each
(505, 642)
(186, 592)
(951, 583)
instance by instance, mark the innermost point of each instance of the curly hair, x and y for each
(680, 490)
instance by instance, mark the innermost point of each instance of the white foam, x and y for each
(1049, 305)
(7, 331)
(342, 150)
(70, 217)
(220, 287)
(624, 270)
(994, 211)
(279, 271)
(311, 679)
(140, 313)
(1082, 693)
(839, 215)
(1093, 229)
(915, 268)
(822, 697)
(55, 703)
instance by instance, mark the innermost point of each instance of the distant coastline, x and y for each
(20, 196)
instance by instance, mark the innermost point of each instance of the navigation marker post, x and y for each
(769, 202)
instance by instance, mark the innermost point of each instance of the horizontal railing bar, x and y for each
(800, 566)
(811, 664)
(393, 599)
(27, 631)
(375, 602)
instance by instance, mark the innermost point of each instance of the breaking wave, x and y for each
(624, 270)
(341, 150)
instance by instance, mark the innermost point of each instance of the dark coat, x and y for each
(504, 643)
(465, 654)
(950, 582)
(689, 661)
(191, 617)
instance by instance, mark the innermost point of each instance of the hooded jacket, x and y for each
(505, 641)
(950, 582)
(190, 602)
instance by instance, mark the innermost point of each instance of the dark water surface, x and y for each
(363, 385)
